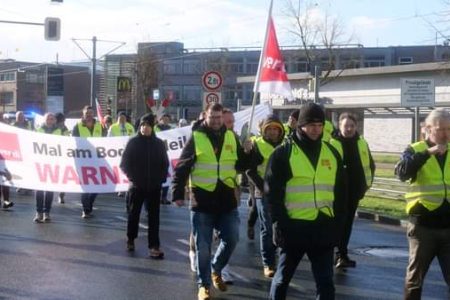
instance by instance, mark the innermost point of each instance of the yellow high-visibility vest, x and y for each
(266, 149)
(431, 184)
(116, 129)
(85, 132)
(207, 169)
(327, 131)
(57, 131)
(310, 190)
(363, 149)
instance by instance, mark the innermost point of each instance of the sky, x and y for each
(205, 24)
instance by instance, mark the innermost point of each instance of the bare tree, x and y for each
(147, 78)
(319, 35)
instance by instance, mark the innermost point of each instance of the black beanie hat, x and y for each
(147, 118)
(310, 113)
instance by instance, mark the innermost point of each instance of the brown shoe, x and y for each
(203, 293)
(155, 253)
(269, 272)
(218, 282)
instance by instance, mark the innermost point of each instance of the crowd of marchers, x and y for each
(305, 179)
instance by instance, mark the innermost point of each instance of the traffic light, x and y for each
(52, 28)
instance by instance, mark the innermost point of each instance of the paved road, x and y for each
(72, 258)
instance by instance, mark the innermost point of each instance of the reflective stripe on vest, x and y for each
(311, 190)
(431, 184)
(116, 129)
(85, 132)
(207, 170)
(363, 150)
(266, 150)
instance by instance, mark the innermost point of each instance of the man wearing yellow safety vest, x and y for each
(272, 134)
(210, 160)
(305, 188)
(426, 165)
(44, 199)
(121, 127)
(291, 125)
(360, 169)
(88, 127)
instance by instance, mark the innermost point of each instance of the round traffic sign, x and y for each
(212, 80)
(212, 98)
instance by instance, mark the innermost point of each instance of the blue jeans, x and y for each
(44, 201)
(322, 268)
(203, 224)
(265, 238)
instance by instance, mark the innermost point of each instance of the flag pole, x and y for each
(258, 73)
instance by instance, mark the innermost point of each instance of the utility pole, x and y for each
(316, 83)
(94, 60)
(94, 71)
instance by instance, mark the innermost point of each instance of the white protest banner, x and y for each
(48, 162)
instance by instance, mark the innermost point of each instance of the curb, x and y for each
(380, 218)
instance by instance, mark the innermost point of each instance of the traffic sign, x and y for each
(211, 97)
(417, 92)
(212, 80)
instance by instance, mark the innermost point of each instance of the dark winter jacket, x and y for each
(256, 157)
(145, 162)
(406, 169)
(322, 232)
(354, 169)
(222, 199)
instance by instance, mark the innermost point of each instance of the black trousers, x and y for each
(137, 197)
(352, 205)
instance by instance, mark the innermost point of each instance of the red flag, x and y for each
(272, 77)
(99, 112)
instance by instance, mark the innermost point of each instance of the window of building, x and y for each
(301, 65)
(405, 60)
(172, 90)
(374, 61)
(191, 67)
(191, 93)
(236, 65)
(232, 93)
(6, 98)
(251, 67)
(173, 67)
(34, 77)
(10, 76)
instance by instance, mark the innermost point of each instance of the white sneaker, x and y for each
(192, 261)
(39, 218)
(226, 275)
(46, 217)
(86, 215)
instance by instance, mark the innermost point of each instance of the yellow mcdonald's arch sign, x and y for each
(123, 84)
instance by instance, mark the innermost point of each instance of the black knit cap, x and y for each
(310, 113)
(148, 119)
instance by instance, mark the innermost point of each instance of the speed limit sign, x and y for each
(211, 97)
(212, 80)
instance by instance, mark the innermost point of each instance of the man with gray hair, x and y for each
(425, 165)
